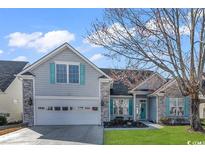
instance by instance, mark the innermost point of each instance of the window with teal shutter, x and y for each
(167, 106)
(130, 106)
(186, 106)
(111, 106)
(82, 74)
(52, 73)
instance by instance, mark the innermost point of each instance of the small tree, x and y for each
(169, 39)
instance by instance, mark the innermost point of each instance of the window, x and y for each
(65, 108)
(121, 106)
(41, 108)
(73, 74)
(61, 73)
(142, 101)
(176, 106)
(80, 108)
(49, 108)
(67, 73)
(87, 108)
(71, 108)
(57, 108)
(94, 108)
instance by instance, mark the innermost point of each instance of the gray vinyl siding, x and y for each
(152, 109)
(42, 78)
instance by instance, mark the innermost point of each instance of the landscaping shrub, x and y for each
(174, 121)
(203, 122)
(166, 120)
(179, 120)
(3, 120)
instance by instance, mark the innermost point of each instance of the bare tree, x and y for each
(169, 39)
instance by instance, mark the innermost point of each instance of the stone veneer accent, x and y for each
(172, 91)
(105, 99)
(28, 106)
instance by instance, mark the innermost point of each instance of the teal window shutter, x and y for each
(186, 106)
(111, 106)
(52, 73)
(167, 101)
(130, 106)
(82, 74)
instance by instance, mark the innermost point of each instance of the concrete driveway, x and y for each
(54, 135)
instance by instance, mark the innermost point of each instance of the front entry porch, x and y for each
(129, 108)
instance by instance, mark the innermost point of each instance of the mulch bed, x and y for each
(9, 130)
(135, 124)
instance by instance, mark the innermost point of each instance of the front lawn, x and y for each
(167, 135)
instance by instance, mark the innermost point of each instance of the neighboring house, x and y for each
(65, 88)
(11, 90)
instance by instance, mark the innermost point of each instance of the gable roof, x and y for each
(148, 79)
(163, 87)
(8, 70)
(56, 51)
(125, 79)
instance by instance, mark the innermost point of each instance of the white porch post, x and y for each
(134, 103)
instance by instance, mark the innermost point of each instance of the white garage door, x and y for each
(67, 112)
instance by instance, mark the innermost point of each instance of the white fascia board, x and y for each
(59, 49)
(25, 76)
(105, 80)
(67, 97)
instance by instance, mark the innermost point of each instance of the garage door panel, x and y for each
(77, 116)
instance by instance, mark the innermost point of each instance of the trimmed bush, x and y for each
(165, 120)
(174, 121)
(3, 120)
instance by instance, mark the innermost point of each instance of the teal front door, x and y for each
(143, 111)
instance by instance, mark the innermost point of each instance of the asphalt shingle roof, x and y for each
(125, 80)
(8, 70)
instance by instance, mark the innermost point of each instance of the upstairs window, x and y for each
(67, 73)
(73, 74)
(61, 73)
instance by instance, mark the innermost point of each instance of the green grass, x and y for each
(174, 135)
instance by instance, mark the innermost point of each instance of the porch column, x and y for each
(134, 103)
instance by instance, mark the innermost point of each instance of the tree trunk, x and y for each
(195, 119)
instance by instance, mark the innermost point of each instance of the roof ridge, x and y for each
(127, 69)
(13, 61)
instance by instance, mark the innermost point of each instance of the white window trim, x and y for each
(177, 106)
(124, 99)
(67, 66)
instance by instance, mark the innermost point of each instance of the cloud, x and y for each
(152, 25)
(20, 58)
(42, 42)
(1, 51)
(96, 57)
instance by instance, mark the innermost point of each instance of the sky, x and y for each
(28, 34)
